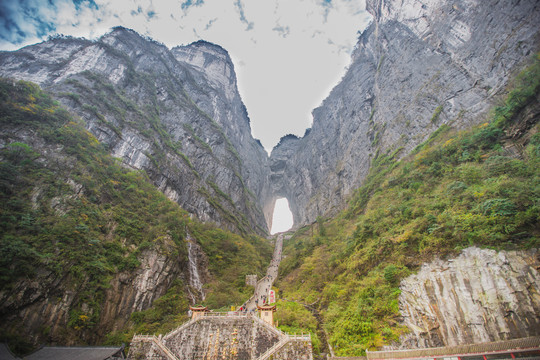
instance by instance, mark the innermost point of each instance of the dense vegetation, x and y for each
(459, 188)
(73, 218)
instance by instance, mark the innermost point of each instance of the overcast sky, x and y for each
(288, 54)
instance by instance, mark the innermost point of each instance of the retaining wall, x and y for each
(219, 336)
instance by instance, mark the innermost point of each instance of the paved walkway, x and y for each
(265, 284)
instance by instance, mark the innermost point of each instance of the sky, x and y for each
(282, 219)
(288, 54)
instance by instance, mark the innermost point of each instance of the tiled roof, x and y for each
(5, 354)
(79, 353)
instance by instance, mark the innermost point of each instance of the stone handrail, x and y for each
(274, 348)
(273, 329)
(226, 314)
(498, 346)
(182, 327)
(306, 337)
(144, 337)
(284, 339)
(152, 338)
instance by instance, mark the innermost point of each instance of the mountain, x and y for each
(131, 185)
(419, 65)
(176, 114)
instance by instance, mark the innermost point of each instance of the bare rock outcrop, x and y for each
(480, 296)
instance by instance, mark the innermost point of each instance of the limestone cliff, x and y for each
(85, 242)
(480, 296)
(176, 114)
(420, 64)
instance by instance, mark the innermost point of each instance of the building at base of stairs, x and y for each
(68, 353)
(239, 336)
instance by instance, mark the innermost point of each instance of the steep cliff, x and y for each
(419, 65)
(480, 296)
(174, 113)
(88, 246)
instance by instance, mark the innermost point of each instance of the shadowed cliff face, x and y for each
(417, 66)
(48, 301)
(174, 113)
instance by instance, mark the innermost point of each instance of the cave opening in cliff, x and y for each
(282, 219)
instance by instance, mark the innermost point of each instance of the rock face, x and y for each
(480, 296)
(46, 302)
(419, 65)
(175, 114)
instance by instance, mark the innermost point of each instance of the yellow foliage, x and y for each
(91, 137)
(449, 141)
(478, 194)
(28, 108)
(407, 234)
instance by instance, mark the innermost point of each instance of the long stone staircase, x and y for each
(239, 335)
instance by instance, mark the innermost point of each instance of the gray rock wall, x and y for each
(480, 296)
(175, 114)
(419, 65)
(252, 339)
(145, 350)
